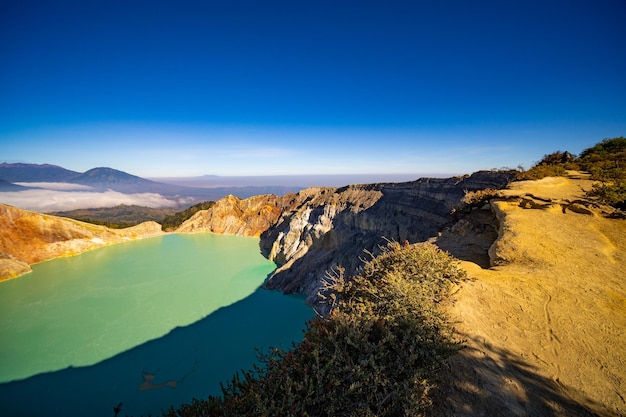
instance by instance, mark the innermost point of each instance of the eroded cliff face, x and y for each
(235, 216)
(337, 226)
(27, 237)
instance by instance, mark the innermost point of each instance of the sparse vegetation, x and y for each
(123, 216)
(472, 200)
(478, 198)
(109, 224)
(117, 217)
(170, 223)
(555, 164)
(377, 353)
(538, 172)
(606, 162)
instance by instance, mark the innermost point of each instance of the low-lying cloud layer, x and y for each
(44, 201)
(61, 186)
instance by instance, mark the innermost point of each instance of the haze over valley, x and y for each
(48, 188)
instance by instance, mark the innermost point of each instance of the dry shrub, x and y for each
(377, 354)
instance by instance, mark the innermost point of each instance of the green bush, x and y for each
(541, 171)
(555, 164)
(612, 193)
(606, 162)
(607, 155)
(376, 354)
(170, 223)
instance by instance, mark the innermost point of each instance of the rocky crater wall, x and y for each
(235, 216)
(329, 227)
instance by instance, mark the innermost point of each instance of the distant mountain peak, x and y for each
(101, 175)
(108, 171)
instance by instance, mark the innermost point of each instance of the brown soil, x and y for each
(545, 327)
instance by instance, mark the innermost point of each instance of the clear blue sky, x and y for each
(308, 87)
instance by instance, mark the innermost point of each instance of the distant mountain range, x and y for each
(101, 178)
(104, 178)
(35, 173)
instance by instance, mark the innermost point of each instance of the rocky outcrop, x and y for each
(550, 195)
(235, 216)
(336, 226)
(470, 236)
(27, 237)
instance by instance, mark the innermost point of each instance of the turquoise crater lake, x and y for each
(148, 324)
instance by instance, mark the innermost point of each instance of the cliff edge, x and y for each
(545, 323)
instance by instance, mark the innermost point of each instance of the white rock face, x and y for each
(290, 242)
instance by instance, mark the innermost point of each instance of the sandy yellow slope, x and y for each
(545, 328)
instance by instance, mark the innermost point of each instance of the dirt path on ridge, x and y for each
(545, 329)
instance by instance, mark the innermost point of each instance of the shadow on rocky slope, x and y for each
(488, 381)
(470, 237)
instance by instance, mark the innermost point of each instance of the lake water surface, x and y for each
(148, 324)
